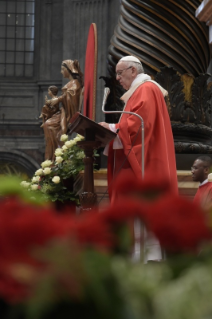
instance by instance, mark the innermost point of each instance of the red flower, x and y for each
(149, 188)
(125, 210)
(23, 225)
(22, 228)
(91, 230)
(123, 213)
(11, 290)
(179, 224)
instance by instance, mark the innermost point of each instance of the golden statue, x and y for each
(71, 100)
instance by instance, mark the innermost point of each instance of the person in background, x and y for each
(200, 170)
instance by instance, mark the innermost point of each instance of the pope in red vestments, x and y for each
(145, 98)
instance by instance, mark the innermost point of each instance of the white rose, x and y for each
(58, 159)
(47, 163)
(210, 177)
(64, 138)
(35, 179)
(80, 155)
(47, 170)
(34, 187)
(25, 184)
(78, 138)
(69, 144)
(58, 152)
(64, 148)
(56, 179)
(39, 172)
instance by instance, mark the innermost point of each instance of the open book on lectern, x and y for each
(91, 130)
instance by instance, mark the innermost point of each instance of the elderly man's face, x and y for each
(125, 74)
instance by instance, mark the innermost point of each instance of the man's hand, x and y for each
(104, 124)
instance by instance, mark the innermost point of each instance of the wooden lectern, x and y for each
(95, 136)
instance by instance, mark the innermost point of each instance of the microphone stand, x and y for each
(138, 251)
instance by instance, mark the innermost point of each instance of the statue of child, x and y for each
(48, 110)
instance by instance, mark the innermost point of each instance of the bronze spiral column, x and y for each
(173, 47)
(161, 33)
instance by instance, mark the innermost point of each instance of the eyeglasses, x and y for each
(119, 73)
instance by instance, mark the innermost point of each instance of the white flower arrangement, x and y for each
(35, 179)
(39, 172)
(58, 152)
(47, 170)
(54, 180)
(64, 148)
(78, 138)
(25, 184)
(69, 144)
(46, 163)
(80, 155)
(58, 159)
(64, 138)
(34, 187)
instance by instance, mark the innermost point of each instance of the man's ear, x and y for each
(206, 170)
(134, 71)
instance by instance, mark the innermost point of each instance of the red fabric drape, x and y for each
(89, 104)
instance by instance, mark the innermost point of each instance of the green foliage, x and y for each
(10, 185)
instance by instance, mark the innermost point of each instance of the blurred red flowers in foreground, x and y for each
(148, 189)
(179, 225)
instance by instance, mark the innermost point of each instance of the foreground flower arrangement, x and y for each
(55, 180)
(79, 266)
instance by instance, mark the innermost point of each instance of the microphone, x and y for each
(106, 93)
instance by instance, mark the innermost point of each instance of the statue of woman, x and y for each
(71, 100)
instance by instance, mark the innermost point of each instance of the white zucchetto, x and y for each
(130, 58)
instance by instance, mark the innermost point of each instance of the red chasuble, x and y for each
(204, 195)
(149, 103)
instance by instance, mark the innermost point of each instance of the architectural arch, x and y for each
(18, 163)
